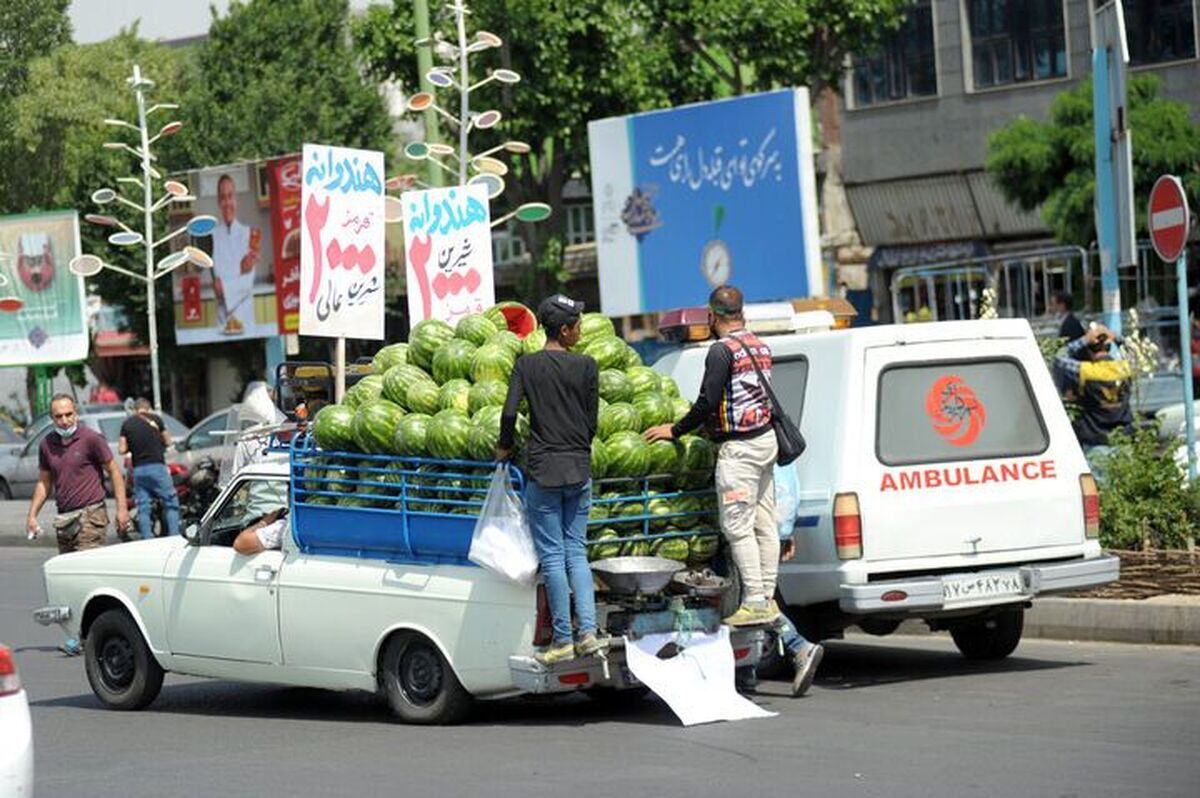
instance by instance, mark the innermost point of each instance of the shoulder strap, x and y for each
(766, 384)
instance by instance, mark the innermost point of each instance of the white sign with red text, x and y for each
(448, 253)
(342, 251)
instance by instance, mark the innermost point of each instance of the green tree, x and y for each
(274, 74)
(1051, 164)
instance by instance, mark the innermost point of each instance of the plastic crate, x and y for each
(413, 509)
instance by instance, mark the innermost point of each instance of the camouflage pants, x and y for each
(82, 529)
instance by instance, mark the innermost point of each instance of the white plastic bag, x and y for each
(787, 498)
(502, 541)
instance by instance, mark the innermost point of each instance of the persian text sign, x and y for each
(284, 177)
(342, 247)
(448, 244)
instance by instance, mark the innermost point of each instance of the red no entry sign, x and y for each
(1168, 218)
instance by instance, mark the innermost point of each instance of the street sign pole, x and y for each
(1185, 357)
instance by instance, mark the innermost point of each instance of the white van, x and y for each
(942, 480)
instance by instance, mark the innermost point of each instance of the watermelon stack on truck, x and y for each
(399, 470)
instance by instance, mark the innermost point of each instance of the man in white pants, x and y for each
(736, 411)
(234, 259)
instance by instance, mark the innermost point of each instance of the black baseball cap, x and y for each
(558, 311)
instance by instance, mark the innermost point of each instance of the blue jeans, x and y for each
(558, 520)
(150, 481)
(793, 641)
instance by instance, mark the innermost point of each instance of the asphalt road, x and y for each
(903, 716)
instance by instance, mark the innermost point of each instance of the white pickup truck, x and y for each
(942, 480)
(331, 609)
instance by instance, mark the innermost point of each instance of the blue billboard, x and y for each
(689, 198)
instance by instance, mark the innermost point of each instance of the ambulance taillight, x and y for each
(1091, 506)
(847, 526)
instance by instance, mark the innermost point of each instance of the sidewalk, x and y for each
(1173, 619)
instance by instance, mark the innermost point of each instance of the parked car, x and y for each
(209, 437)
(19, 462)
(16, 734)
(942, 480)
(9, 433)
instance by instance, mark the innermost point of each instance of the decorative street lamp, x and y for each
(482, 168)
(126, 236)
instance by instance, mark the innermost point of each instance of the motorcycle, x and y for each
(200, 491)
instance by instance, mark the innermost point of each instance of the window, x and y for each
(904, 66)
(250, 500)
(206, 435)
(507, 247)
(1159, 30)
(789, 376)
(580, 228)
(1013, 41)
(956, 410)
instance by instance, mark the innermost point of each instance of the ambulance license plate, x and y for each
(981, 586)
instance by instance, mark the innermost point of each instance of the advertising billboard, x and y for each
(235, 299)
(342, 254)
(283, 174)
(688, 198)
(42, 304)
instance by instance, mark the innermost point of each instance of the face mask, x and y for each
(68, 432)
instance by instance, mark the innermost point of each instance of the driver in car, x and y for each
(264, 534)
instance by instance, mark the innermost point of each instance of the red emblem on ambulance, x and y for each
(956, 413)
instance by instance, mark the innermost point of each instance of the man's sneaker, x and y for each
(556, 652)
(71, 647)
(774, 615)
(590, 644)
(747, 615)
(807, 662)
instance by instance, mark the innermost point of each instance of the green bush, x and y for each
(1144, 496)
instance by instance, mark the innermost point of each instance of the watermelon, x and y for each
(454, 395)
(460, 489)
(679, 408)
(599, 459)
(476, 328)
(691, 505)
(492, 361)
(387, 476)
(489, 415)
(609, 353)
(669, 386)
(375, 426)
(510, 341)
(512, 316)
(629, 509)
(673, 548)
(399, 379)
(643, 379)
(697, 460)
(663, 457)
(426, 338)
(616, 417)
(486, 392)
(632, 358)
(411, 432)
(594, 326)
(534, 342)
(333, 427)
(596, 512)
(702, 548)
(390, 355)
(654, 408)
(447, 438)
(482, 440)
(314, 470)
(320, 500)
(599, 549)
(367, 389)
(422, 490)
(628, 454)
(354, 500)
(660, 507)
(453, 361)
(335, 479)
(637, 548)
(423, 397)
(601, 404)
(615, 386)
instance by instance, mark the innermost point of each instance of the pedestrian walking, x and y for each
(145, 438)
(562, 389)
(71, 461)
(736, 411)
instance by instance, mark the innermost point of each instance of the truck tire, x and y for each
(120, 666)
(419, 684)
(993, 637)
(878, 627)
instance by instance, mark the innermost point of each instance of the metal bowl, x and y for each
(636, 574)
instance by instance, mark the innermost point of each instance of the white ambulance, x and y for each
(942, 480)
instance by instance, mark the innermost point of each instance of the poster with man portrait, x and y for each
(235, 299)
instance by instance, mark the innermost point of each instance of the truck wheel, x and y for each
(120, 667)
(420, 686)
(878, 627)
(993, 637)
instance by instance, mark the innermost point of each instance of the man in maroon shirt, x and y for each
(71, 460)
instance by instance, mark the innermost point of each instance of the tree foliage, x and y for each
(1051, 164)
(274, 74)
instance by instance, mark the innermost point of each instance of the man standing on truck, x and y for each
(562, 388)
(736, 412)
(1088, 374)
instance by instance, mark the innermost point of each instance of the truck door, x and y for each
(959, 459)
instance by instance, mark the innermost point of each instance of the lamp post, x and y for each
(126, 236)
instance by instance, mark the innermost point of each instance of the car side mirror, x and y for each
(192, 534)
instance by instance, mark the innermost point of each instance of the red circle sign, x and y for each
(1168, 217)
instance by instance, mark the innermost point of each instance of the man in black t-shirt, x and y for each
(144, 438)
(563, 391)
